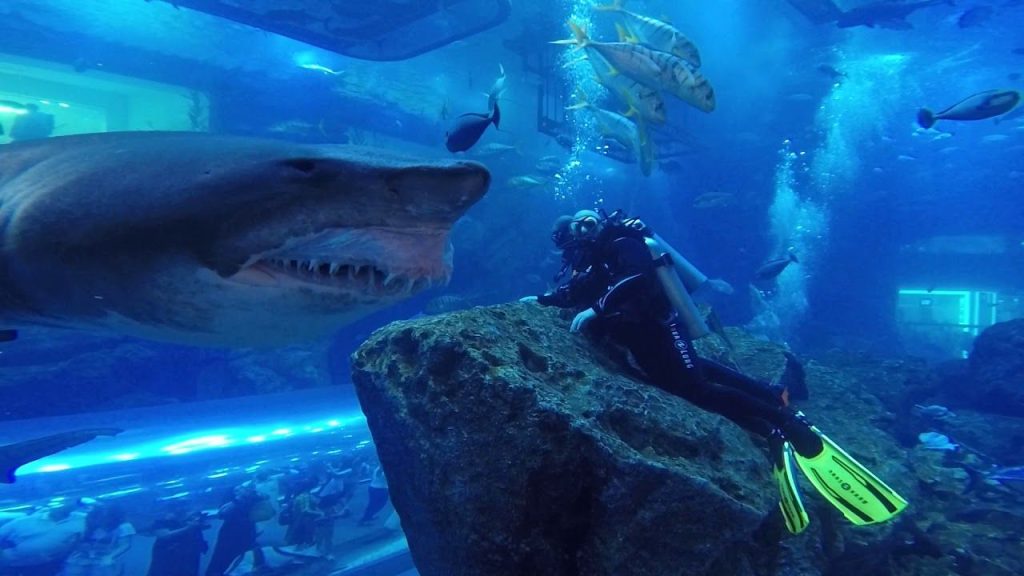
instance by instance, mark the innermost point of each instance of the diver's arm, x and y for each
(561, 297)
(579, 291)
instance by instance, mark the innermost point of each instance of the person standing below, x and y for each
(37, 544)
(108, 536)
(377, 496)
(32, 125)
(179, 545)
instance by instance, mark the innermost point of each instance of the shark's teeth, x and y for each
(341, 274)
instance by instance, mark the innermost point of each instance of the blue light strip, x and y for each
(182, 444)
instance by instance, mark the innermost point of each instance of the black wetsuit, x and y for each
(616, 276)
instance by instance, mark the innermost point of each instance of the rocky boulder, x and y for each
(513, 447)
(996, 367)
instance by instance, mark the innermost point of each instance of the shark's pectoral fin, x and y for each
(8, 335)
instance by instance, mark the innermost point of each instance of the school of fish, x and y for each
(650, 57)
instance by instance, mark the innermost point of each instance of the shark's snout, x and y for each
(389, 241)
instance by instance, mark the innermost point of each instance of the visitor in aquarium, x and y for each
(107, 537)
(377, 496)
(32, 125)
(179, 544)
(37, 544)
(630, 286)
(237, 534)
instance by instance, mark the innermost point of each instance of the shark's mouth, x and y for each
(361, 277)
(371, 263)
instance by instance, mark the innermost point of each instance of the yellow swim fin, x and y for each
(857, 493)
(790, 503)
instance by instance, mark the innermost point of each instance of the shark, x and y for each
(885, 14)
(217, 240)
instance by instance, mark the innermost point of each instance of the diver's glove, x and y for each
(582, 319)
(528, 299)
(638, 225)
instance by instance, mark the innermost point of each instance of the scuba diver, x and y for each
(635, 289)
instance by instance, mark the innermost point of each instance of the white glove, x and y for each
(582, 319)
(720, 286)
(528, 299)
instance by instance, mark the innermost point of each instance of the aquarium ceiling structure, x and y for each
(381, 30)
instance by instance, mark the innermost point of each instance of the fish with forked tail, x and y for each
(654, 33)
(659, 70)
(470, 127)
(988, 104)
(771, 270)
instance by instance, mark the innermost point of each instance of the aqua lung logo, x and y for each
(847, 487)
(681, 346)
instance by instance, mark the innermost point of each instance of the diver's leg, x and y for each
(667, 356)
(726, 376)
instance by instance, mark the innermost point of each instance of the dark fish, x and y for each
(772, 269)
(469, 128)
(831, 72)
(8, 335)
(1013, 76)
(884, 14)
(14, 456)
(975, 16)
(1018, 51)
(980, 106)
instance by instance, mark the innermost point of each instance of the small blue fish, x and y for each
(1010, 474)
(1013, 475)
(936, 441)
(933, 411)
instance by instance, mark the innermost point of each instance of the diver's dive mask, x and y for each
(585, 224)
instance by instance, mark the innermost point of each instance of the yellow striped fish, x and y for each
(655, 33)
(652, 68)
(645, 99)
(622, 130)
(629, 59)
(682, 80)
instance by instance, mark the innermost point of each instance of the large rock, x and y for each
(997, 369)
(515, 448)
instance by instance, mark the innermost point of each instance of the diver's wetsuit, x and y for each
(615, 274)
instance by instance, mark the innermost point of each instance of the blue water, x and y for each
(834, 169)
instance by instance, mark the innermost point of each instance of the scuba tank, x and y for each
(668, 270)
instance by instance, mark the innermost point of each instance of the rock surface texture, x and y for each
(513, 447)
(997, 369)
